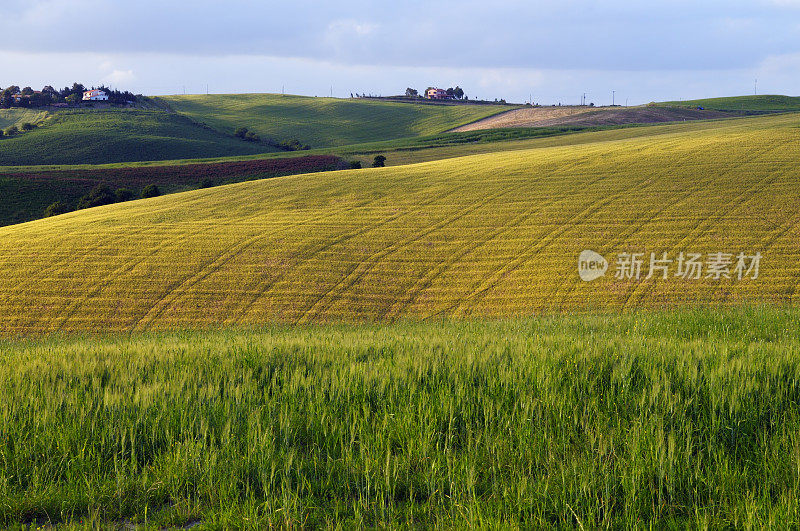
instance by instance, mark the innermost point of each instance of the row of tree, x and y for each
(102, 195)
(14, 96)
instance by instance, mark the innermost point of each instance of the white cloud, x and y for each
(351, 27)
(119, 77)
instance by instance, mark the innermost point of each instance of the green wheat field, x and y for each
(679, 419)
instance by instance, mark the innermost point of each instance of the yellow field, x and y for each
(485, 235)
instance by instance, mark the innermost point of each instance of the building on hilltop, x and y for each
(436, 94)
(95, 95)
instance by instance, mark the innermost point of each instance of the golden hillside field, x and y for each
(485, 235)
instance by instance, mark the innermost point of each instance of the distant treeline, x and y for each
(26, 97)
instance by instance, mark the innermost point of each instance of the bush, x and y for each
(2, 133)
(241, 132)
(100, 195)
(355, 165)
(207, 183)
(151, 190)
(125, 194)
(294, 145)
(27, 126)
(55, 209)
(379, 161)
(252, 137)
(11, 131)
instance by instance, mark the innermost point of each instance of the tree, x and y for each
(99, 195)
(355, 165)
(55, 209)
(451, 93)
(27, 126)
(379, 161)
(27, 91)
(11, 131)
(411, 93)
(124, 194)
(151, 190)
(241, 132)
(73, 99)
(458, 92)
(7, 97)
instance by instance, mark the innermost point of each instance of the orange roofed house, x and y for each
(436, 94)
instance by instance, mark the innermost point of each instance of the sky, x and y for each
(548, 52)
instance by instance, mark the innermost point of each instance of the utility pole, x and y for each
(613, 95)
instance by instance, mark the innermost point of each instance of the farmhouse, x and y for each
(95, 95)
(436, 94)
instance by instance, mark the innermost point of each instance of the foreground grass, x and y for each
(688, 418)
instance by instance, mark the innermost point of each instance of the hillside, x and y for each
(771, 103)
(325, 122)
(104, 136)
(590, 117)
(28, 193)
(487, 235)
(9, 117)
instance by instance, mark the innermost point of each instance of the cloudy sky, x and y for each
(552, 51)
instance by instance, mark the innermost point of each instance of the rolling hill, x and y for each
(325, 122)
(28, 193)
(769, 103)
(102, 136)
(487, 235)
(9, 117)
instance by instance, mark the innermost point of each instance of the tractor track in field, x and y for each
(604, 249)
(485, 286)
(172, 294)
(426, 280)
(329, 298)
(739, 201)
(314, 250)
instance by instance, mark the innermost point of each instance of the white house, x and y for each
(95, 95)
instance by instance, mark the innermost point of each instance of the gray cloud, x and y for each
(571, 34)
